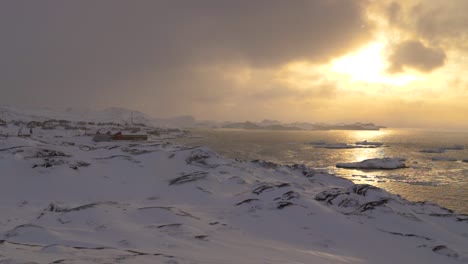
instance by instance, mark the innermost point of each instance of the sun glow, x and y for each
(368, 65)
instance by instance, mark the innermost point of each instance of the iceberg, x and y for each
(375, 164)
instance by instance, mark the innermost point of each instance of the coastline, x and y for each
(161, 202)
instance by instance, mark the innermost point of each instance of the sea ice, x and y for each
(443, 159)
(375, 164)
(442, 150)
(369, 143)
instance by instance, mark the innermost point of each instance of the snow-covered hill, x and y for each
(114, 114)
(67, 199)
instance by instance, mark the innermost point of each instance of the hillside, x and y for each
(67, 199)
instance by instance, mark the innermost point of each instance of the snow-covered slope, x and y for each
(113, 114)
(70, 200)
(118, 115)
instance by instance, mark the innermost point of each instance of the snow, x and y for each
(375, 164)
(118, 115)
(335, 146)
(67, 199)
(443, 150)
(369, 143)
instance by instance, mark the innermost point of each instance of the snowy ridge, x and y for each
(113, 114)
(70, 200)
(117, 115)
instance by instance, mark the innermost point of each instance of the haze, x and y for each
(396, 63)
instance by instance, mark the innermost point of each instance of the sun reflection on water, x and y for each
(360, 154)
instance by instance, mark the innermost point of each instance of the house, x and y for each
(100, 137)
(129, 136)
(108, 136)
(24, 132)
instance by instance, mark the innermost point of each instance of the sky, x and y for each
(396, 63)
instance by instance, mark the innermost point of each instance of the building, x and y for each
(129, 136)
(101, 137)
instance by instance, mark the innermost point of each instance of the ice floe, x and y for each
(375, 164)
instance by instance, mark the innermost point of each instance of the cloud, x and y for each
(393, 12)
(414, 54)
(436, 22)
(443, 21)
(143, 54)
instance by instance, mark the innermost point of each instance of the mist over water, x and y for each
(442, 182)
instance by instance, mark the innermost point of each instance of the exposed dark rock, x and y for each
(442, 215)
(444, 250)
(203, 190)
(49, 163)
(47, 153)
(362, 189)
(283, 204)
(329, 195)
(55, 208)
(247, 201)
(16, 147)
(58, 209)
(267, 186)
(188, 177)
(170, 209)
(169, 225)
(300, 167)
(290, 195)
(202, 237)
(134, 151)
(266, 164)
(112, 147)
(349, 198)
(59, 261)
(372, 205)
(114, 156)
(348, 202)
(406, 235)
(199, 157)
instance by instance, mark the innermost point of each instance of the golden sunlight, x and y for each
(368, 65)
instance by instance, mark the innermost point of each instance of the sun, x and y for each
(368, 65)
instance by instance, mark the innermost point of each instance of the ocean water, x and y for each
(442, 182)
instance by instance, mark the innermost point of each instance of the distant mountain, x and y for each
(123, 115)
(261, 126)
(275, 125)
(351, 126)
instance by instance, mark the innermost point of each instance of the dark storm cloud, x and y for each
(94, 52)
(437, 22)
(414, 54)
(441, 20)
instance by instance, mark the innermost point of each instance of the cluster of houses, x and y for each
(108, 136)
(112, 132)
